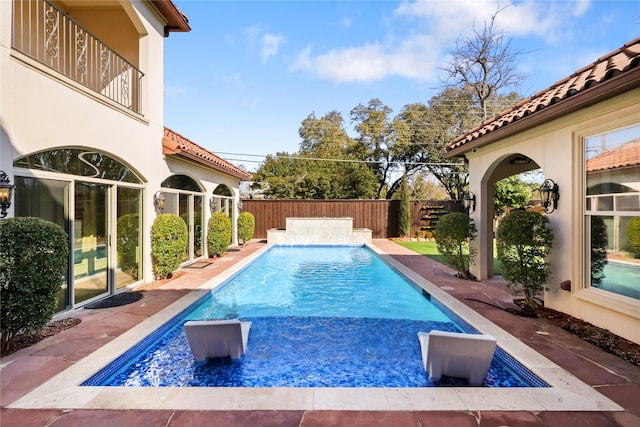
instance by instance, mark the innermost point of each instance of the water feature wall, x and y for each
(319, 231)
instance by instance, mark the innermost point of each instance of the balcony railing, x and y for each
(49, 36)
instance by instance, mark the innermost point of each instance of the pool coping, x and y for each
(566, 392)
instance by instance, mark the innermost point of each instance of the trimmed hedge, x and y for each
(219, 234)
(34, 257)
(169, 237)
(454, 232)
(246, 226)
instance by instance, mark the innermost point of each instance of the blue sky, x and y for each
(241, 82)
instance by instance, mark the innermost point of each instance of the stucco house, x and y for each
(83, 140)
(584, 133)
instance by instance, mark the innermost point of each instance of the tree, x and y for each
(324, 168)
(404, 208)
(454, 232)
(372, 122)
(524, 240)
(484, 62)
(510, 192)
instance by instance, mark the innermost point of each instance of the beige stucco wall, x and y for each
(556, 148)
(40, 110)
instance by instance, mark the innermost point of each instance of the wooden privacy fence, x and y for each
(380, 216)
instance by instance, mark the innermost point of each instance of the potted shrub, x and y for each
(454, 232)
(524, 239)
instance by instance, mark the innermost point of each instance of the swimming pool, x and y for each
(364, 335)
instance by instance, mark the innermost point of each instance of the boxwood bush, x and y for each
(524, 239)
(34, 256)
(454, 232)
(246, 226)
(169, 237)
(219, 234)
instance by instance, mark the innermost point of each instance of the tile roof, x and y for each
(176, 20)
(174, 144)
(626, 155)
(610, 75)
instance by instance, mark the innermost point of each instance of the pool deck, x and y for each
(35, 382)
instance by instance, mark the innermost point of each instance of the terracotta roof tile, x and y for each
(174, 144)
(626, 155)
(606, 68)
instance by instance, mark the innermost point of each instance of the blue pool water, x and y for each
(322, 317)
(623, 279)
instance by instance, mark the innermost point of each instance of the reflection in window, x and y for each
(46, 199)
(76, 161)
(182, 182)
(613, 210)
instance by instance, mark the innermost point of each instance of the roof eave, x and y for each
(176, 20)
(600, 92)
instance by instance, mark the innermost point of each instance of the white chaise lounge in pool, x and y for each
(457, 355)
(209, 339)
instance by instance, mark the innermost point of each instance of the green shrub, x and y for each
(524, 240)
(246, 226)
(169, 237)
(454, 233)
(128, 242)
(34, 257)
(633, 236)
(219, 234)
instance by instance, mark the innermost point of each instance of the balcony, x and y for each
(51, 37)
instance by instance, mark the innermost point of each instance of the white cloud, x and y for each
(270, 45)
(431, 28)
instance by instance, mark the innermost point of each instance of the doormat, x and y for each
(199, 264)
(123, 298)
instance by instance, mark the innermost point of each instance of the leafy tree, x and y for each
(486, 63)
(524, 240)
(454, 232)
(424, 187)
(375, 139)
(305, 175)
(510, 192)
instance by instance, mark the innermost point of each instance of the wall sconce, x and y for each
(158, 201)
(549, 193)
(213, 205)
(469, 202)
(6, 190)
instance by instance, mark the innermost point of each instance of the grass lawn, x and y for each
(430, 249)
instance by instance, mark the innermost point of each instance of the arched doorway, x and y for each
(97, 200)
(504, 167)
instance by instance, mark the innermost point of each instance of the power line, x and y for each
(396, 162)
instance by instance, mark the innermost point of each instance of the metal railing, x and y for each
(51, 37)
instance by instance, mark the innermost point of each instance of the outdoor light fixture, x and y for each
(549, 193)
(213, 204)
(6, 190)
(158, 201)
(469, 202)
